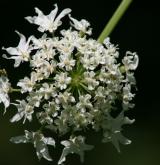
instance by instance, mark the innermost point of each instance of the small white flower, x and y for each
(48, 22)
(37, 60)
(49, 113)
(62, 80)
(47, 53)
(66, 44)
(84, 102)
(27, 84)
(51, 108)
(100, 93)
(92, 54)
(82, 25)
(89, 78)
(65, 98)
(89, 62)
(44, 118)
(34, 98)
(44, 64)
(130, 61)
(47, 90)
(20, 53)
(39, 141)
(74, 145)
(130, 78)
(111, 49)
(66, 61)
(42, 43)
(24, 110)
(127, 95)
(71, 36)
(48, 68)
(104, 76)
(4, 90)
(45, 70)
(70, 40)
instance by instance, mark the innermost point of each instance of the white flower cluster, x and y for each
(74, 85)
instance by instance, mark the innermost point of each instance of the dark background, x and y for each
(137, 31)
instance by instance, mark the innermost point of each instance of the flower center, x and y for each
(76, 85)
(76, 80)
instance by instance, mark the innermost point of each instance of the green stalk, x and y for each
(114, 20)
(14, 90)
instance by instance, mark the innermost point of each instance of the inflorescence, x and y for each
(74, 84)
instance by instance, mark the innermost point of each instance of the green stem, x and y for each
(114, 20)
(14, 90)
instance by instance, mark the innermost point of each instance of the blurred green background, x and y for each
(137, 31)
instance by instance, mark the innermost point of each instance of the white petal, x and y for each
(17, 117)
(53, 13)
(38, 11)
(49, 141)
(76, 23)
(61, 15)
(19, 139)
(22, 42)
(12, 51)
(30, 19)
(66, 143)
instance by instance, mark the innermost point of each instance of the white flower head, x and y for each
(20, 53)
(75, 83)
(48, 22)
